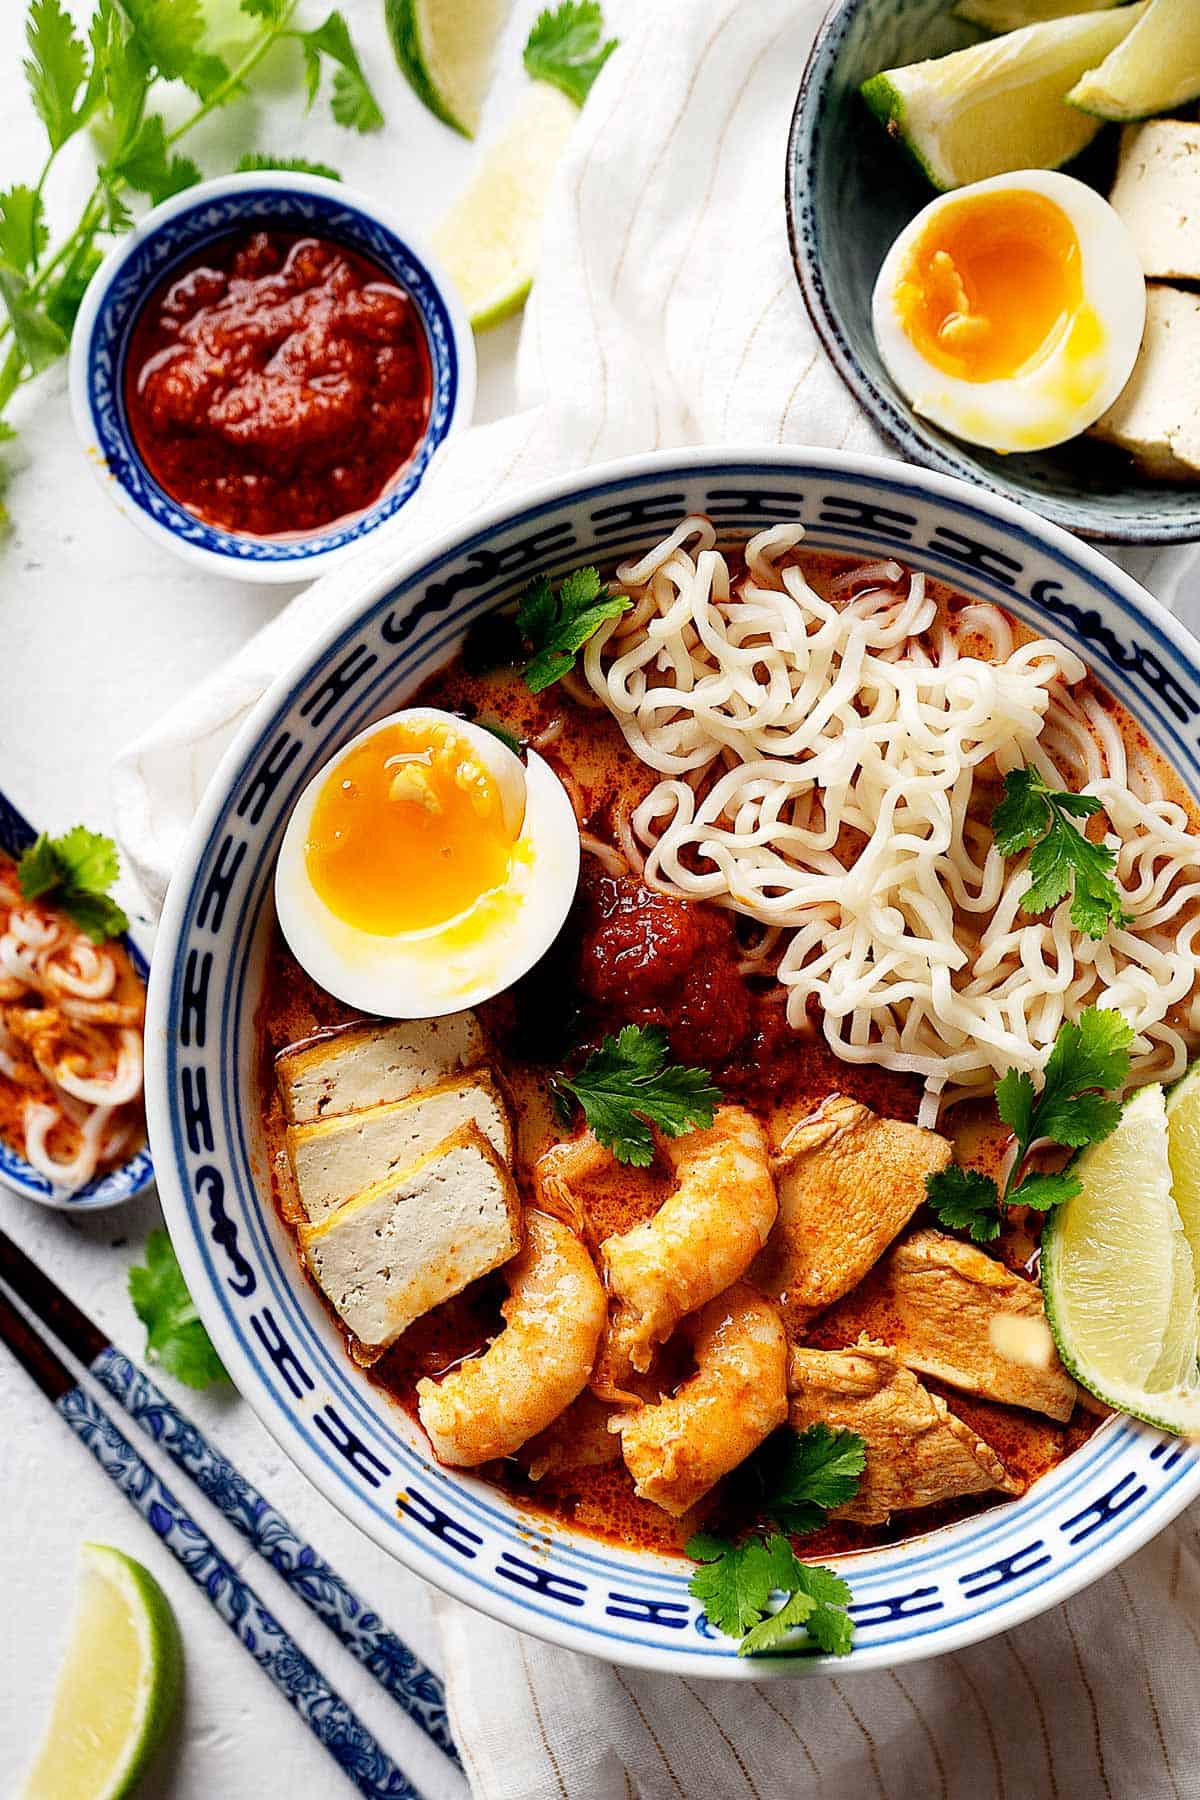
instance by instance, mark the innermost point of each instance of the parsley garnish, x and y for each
(557, 626)
(627, 1085)
(802, 1476)
(1031, 813)
(75, 872)
(1071, 1110)
(175, 1334)
(110, 77)
(565, 47)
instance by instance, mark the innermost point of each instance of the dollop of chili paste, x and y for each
(277, 383)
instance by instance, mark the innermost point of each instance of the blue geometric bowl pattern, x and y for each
(149, 258)
(929, 1594)
(132, 1177)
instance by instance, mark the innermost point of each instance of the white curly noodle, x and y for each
(819, 764)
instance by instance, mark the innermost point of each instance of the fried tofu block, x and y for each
(918, 1453)
(415, 1238)
(848, 1182)
(336, 1158)
(366, 1065)
(1156, 416)
(951, 1311)
(1157, 194)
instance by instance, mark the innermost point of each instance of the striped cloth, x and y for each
(666, 312)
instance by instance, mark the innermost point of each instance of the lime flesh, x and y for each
(489, 239)
(998, 105)
(445, 48)
(1011, 15)
(117, 1689)
(1153, 70)
(1118, 1277)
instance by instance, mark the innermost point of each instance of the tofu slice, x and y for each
(366, 1065)
(848, 1183)
(337, 1158)
(918, 1453)
(1157, 193)
(412, 1240)
(956, 1313)
(1156, 416)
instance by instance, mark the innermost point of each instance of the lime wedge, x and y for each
(118, 1686)
(998, 106)
(1010, 15)
(1183, 1147)
(1117, 1277)
(489, 239)
(1155, 69)
(445, 48)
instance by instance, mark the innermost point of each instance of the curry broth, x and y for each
(537, 1023)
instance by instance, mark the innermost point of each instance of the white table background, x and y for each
(100, 631)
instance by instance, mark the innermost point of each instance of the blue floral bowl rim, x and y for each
(136, 1173)
(890, 418)
(1116, 1524)
(229, 553)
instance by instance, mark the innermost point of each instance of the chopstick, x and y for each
(328, 1597)
(302, 1685)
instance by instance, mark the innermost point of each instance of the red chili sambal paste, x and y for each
(277, 382)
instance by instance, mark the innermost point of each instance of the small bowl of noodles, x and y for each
(72, 1021)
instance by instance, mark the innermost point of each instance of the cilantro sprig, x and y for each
(112, 76)
(1036, 817)
(175, 1334)
(1071, 1109)
(801, 1476)
(75, 872)
(557, 626)
(566, 47)
(628, 1085)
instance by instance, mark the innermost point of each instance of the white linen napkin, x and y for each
(666, 312)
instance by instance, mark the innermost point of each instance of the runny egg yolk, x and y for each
(408, 831)
(992, 284)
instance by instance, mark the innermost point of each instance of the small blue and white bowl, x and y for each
(172, 233)
(122, 1183)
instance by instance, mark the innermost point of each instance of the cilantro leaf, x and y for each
(298, 165)
(168, 32)
(1014, 1102)
(76, 870)
(1033, 816)
(22, 229)
(352, 103)
(38, 339)
(805, 1474)
(565, 47)
(734, 1582)
(557, 627)
(1042, 1190)
(769, 1632)
(964, 1200)
(205, 73)
(627, 1085)
(55, 69)
(1090, 1053)
(147, 167)
(65, 295)
(175, 1334)
(816, 1599)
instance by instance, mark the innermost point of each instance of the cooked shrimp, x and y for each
(554, 1315)
(558, 1171)
(578, 1439)
(677, 1450)
(704, 1236)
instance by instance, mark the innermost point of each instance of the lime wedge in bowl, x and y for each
(998, 105)
(1010, 15)
(1153, 70)
(1118, 1277)
(445, 48)
(118, 1687)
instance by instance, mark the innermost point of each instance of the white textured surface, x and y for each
(100, 633)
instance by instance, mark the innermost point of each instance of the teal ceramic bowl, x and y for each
(850, 191)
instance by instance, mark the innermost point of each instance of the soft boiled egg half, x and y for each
(426, 867)
(1010, 312)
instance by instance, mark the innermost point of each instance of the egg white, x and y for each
(443, 968)
(1034, 409)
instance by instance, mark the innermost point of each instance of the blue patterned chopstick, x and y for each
(328, 1597)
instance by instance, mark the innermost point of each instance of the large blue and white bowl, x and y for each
(169, 235)
(938, 1590)
(131, 1177)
